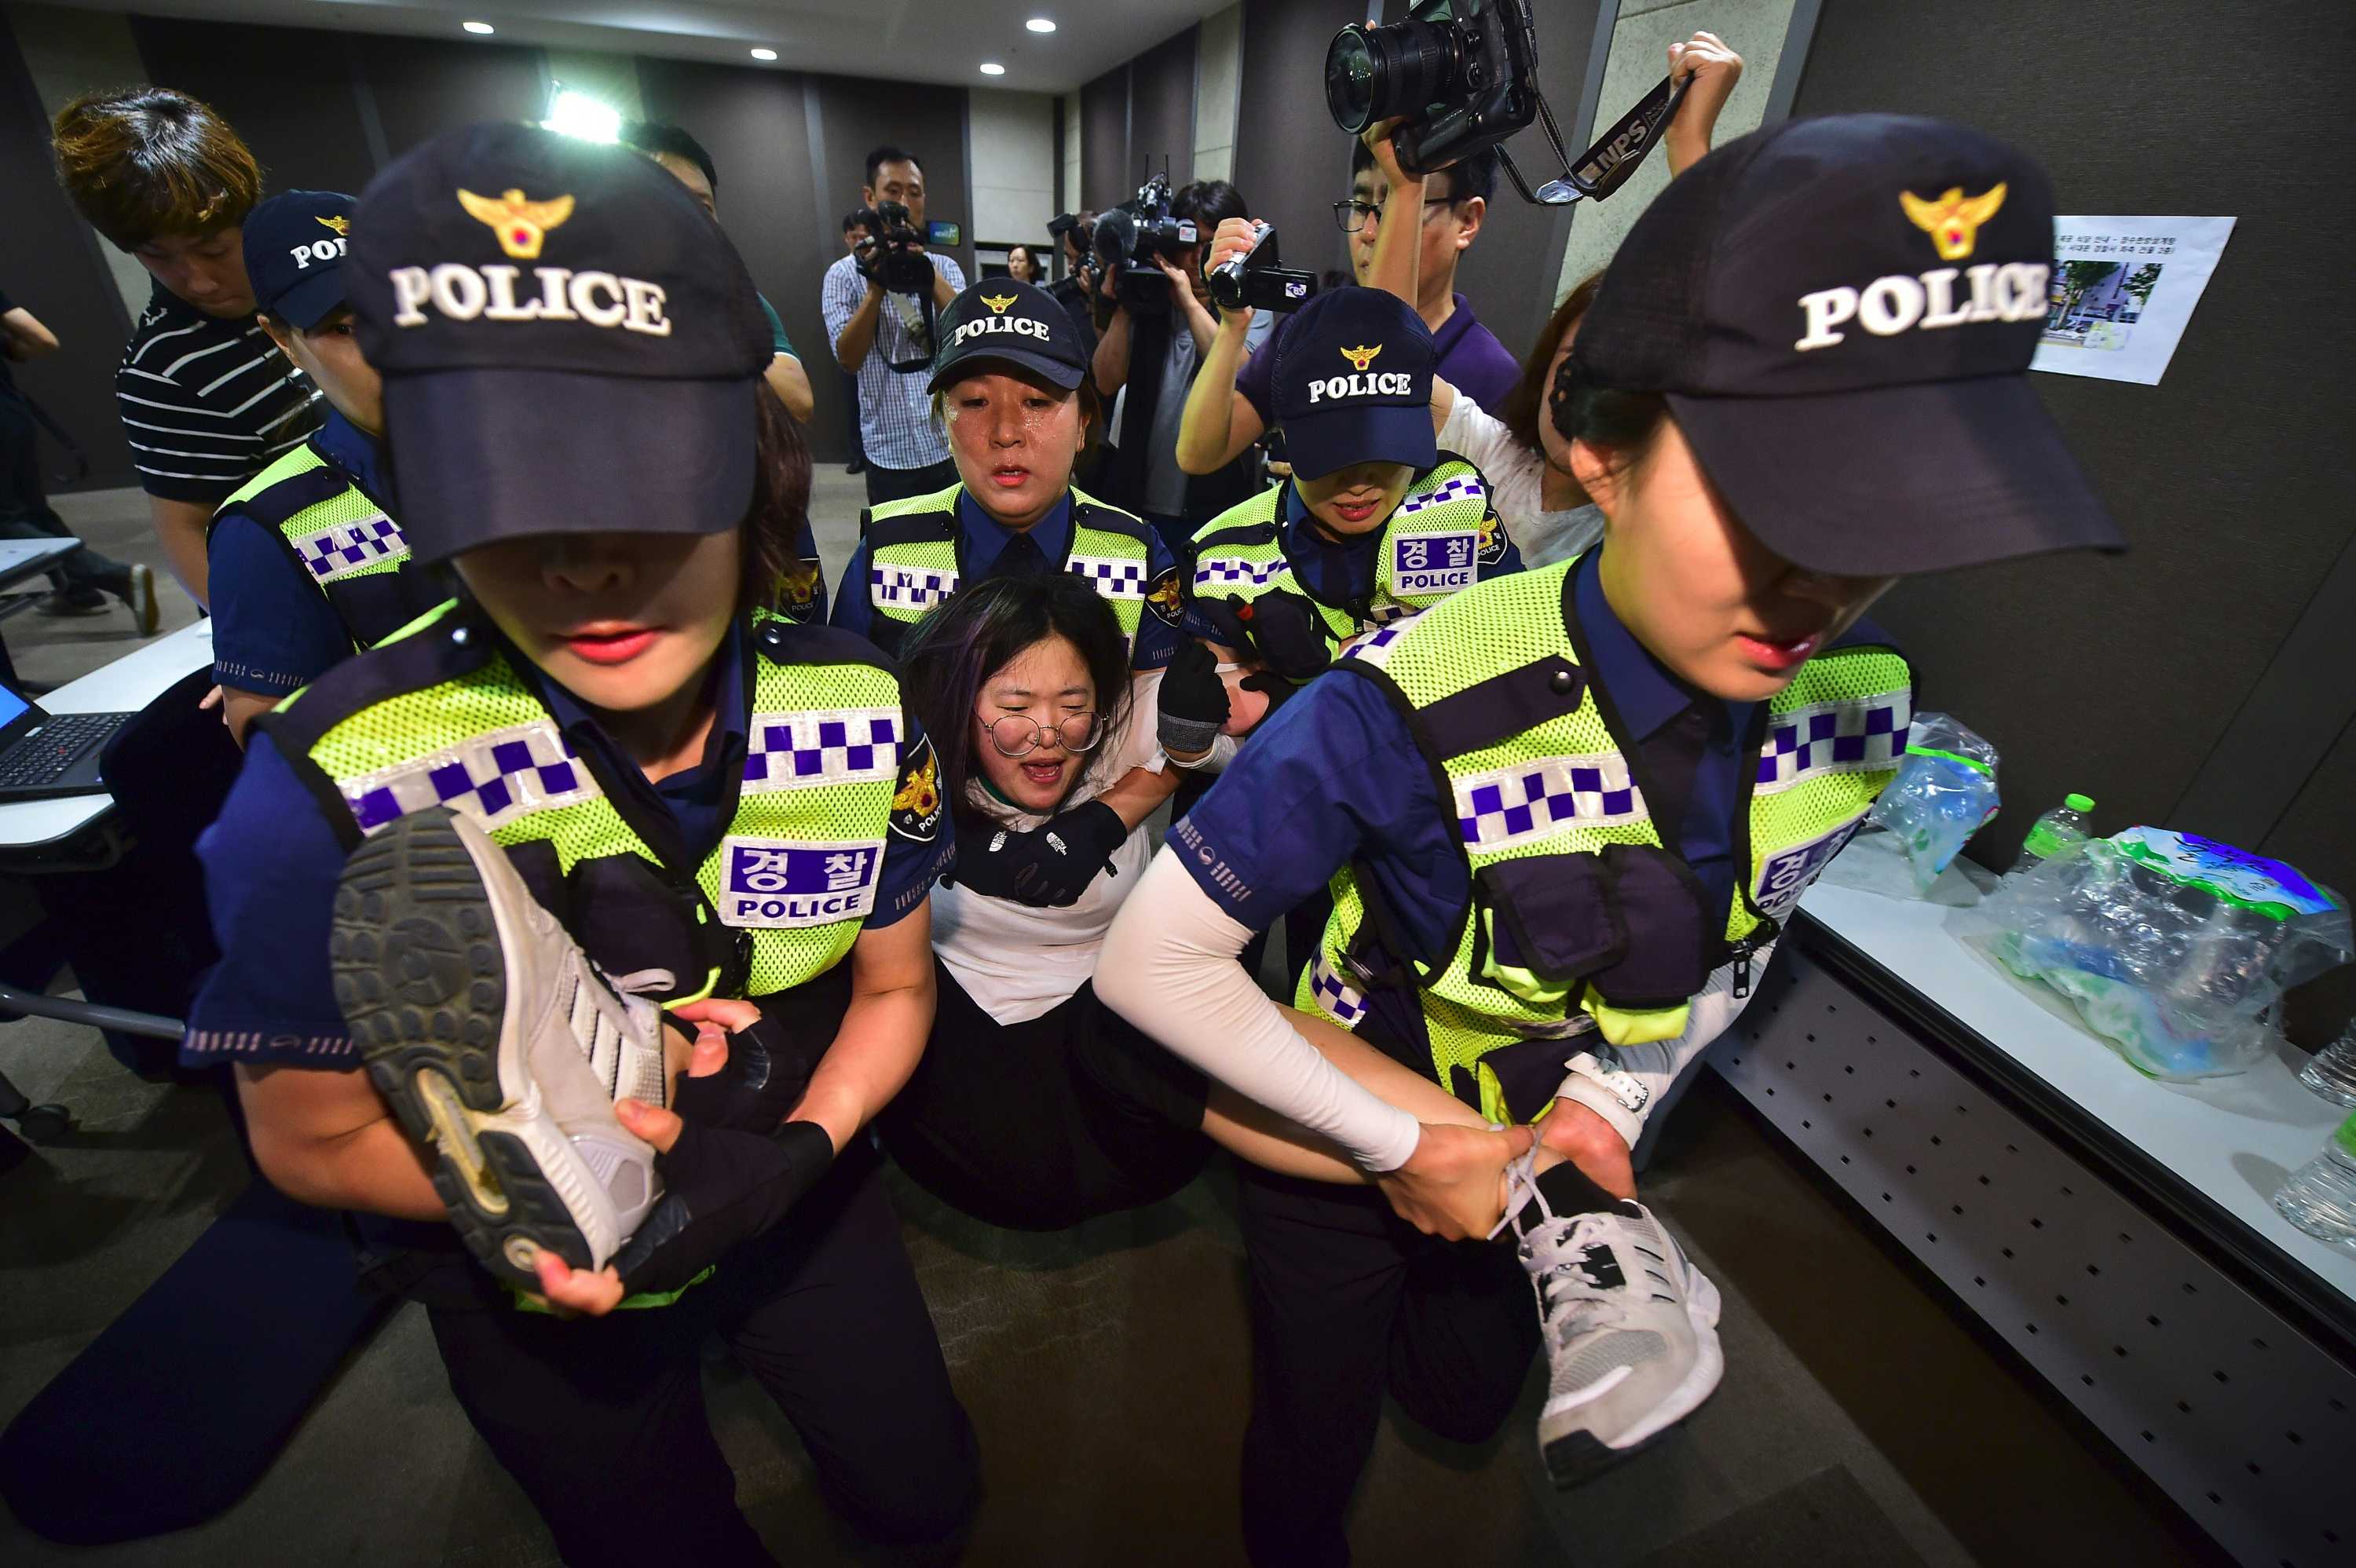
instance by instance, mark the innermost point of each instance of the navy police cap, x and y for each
(1841, 312)
(999, 318)
(1353, 384)
(295, 255)
(569, 343)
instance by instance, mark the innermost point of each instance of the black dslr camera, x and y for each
(1256, 278)
(1464, 74)
(1130, 236)
(894, 254)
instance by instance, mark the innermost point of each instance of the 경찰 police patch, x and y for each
(916, 804)
(772, 883)
(1434, 563)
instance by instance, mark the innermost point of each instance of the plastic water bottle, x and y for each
(2059, 828)
(2320, 1196)
(2333, 1073)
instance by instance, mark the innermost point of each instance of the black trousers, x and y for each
(26, 513)
(602, 1421)
(1040, 1125)
(900, 484)
(1349, 1301)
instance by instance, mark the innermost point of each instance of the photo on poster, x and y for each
(2122, 291)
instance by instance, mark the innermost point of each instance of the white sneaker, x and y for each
(499, 1044)
(1629, 1326)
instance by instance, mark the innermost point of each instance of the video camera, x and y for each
(893, 253)
(1464, 74)
(1256, 278)
(1129, 238)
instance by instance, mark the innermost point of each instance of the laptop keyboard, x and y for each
(42, 757)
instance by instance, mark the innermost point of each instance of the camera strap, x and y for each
(1605, 167)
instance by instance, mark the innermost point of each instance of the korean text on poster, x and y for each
(2123, 290)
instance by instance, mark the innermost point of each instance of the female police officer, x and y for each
(603, 741)
(1577, 801)
(1011, 381)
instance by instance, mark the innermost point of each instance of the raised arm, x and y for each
(1715, 68)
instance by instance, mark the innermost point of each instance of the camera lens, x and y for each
(1386, 72)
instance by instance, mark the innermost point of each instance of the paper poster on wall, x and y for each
(2122, 291)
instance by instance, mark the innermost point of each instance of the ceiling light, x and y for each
(764, 54)
(992, 67)
(484, 28)
(1040, 25)
(575, 113)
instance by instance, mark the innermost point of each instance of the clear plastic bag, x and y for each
(1944, 793)
(2173, 947)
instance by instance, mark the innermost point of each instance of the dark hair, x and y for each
(1031, 254)
(1208, 203)
(858, 219)
(954, 651)
(1519, 412)
(1476, 175)
(780, 509)
(146, 161)
(888, 153)
(653, 137)
(1620, 422)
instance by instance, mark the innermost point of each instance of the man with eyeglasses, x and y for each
(1231, 403)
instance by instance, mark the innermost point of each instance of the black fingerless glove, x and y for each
(763, 1078)
(1048, 867)
(1193, 700)
(720, 1188)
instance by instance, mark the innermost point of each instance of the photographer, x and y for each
(686, 161)
(1165, 341)
(1074, 232)
(1229, 407)
(874, 325)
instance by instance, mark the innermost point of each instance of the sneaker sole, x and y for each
(422, 983)
(1580, 1457)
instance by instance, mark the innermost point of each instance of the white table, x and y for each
(126, 686)
(20, 559)
(2213, 1136)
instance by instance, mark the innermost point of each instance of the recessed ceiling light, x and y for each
(764, 54)
(1040, 25)
(575, 113)
(484, 28)
(992, 67)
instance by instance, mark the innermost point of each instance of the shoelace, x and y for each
(1555, 1248)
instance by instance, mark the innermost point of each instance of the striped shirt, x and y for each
(207, 403)
(895, 413)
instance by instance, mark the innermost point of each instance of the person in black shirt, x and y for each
(84, 578)
(206, 400)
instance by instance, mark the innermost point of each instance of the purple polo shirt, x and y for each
(1472, 360)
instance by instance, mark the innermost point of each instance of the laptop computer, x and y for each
(44, 754)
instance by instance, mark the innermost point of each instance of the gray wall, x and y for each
(2207, 679)
(789, 145)
(50, 263)
(1290, 162)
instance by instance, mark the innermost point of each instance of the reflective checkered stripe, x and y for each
(798, 865)
(1564, 787)
(1429, 549)
(1326, 992)
(342, 537)
(908, 577)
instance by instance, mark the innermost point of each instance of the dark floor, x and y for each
(1861, 1421)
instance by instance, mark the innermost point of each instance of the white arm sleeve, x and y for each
(1216, 760)
(1169, 966)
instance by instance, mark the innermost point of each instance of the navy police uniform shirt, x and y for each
(981, 543)
(273, 630)
(1333, 776)
(1340, 572)
(271, 860)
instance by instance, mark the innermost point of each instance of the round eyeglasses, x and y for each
(1015, 735)
(1353, 216)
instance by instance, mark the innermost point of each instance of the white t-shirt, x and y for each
(1017, 962)
(1516, 478)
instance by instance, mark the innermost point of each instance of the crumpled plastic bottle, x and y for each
(1944, 793)
(2174, 948)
